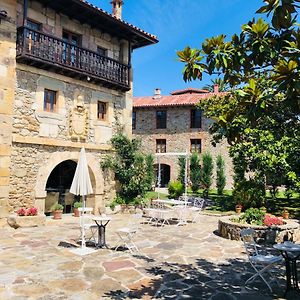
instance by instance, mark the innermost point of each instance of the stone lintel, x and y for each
(56, 143)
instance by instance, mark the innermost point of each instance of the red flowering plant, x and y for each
(22, 211)
(32, 211)
(270, 220)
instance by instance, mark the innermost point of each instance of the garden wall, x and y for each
(274, 234)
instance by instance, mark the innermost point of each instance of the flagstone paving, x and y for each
(187, 262)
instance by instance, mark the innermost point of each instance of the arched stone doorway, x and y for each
(165, 172)
(54, 160)
(58, 186)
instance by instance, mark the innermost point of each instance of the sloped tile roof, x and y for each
(181, 99)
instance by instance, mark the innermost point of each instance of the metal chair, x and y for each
(196, 208)
(87, 224)
(126, 234)
(259, 262)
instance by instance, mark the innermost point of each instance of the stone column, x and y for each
(97, 202)
(7, 95)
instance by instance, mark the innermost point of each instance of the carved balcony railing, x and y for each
(48, 52)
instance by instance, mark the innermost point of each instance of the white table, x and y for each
(290, 253)
(180, 207)
(170, 201)
(101, 222)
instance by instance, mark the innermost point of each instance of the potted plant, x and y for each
(238, 208)
(285, 213)
(76, 205)
(57, 210)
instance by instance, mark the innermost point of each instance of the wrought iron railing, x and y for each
(49, 50)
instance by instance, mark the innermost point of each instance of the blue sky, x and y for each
(177, 23)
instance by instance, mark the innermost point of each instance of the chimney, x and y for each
(216, 88)
(157, 93)
(117, 8)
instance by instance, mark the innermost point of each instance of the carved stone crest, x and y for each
(78, 127)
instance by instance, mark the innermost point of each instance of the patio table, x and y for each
(101, 223)
(290, 253)
(180, 207)
(169, 201)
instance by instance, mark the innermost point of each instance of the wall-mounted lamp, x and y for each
(3, 15)
(88, 78)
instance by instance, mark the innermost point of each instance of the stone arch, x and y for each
(56, 158)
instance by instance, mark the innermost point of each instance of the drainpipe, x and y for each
(25, 7)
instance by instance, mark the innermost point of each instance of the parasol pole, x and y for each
(158, 177)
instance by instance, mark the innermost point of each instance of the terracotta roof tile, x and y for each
(185, 99)
(189, 90)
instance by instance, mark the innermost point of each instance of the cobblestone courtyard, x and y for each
(188, 262)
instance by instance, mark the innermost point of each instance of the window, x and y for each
(33, 25)
(70, 52)
(161, 146)
(161, 119)
(196, 145)
(196, 118)
(101, 110)
(50, 100)
(133, 120)
(101, 51)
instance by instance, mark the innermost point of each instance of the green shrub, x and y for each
(181, 164)
(207, 172)
(195, 172)
(57, 206)
(77, 204)
(253, 216)
(249, 193)
(221, 178)
(175, 189)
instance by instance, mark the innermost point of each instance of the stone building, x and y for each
(65, 82)
(172, 125)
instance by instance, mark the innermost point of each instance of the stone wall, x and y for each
(30, 119)
(32, 165)
(290, 231)
(7, 90)
(178, 134)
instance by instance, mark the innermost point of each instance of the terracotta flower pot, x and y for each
(57, 214)
(238, 209)
(285, 215)
(76, 212)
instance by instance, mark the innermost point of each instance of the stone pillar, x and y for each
(39, 202)
(96, 201)
(7, 94)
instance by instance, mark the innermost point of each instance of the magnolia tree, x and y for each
(259, 115)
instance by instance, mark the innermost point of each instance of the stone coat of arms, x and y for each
(78, 127)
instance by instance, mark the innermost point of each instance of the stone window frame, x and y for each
(101, 113)
(196, 121)
(161, 146)
(50, 100)
(54, 85)
(161, 123)
(195, 145)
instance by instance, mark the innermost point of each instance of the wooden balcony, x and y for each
(53, 54)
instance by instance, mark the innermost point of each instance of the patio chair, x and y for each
(196, 208)
(126, 234)
(86, 222)
(261, 263)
